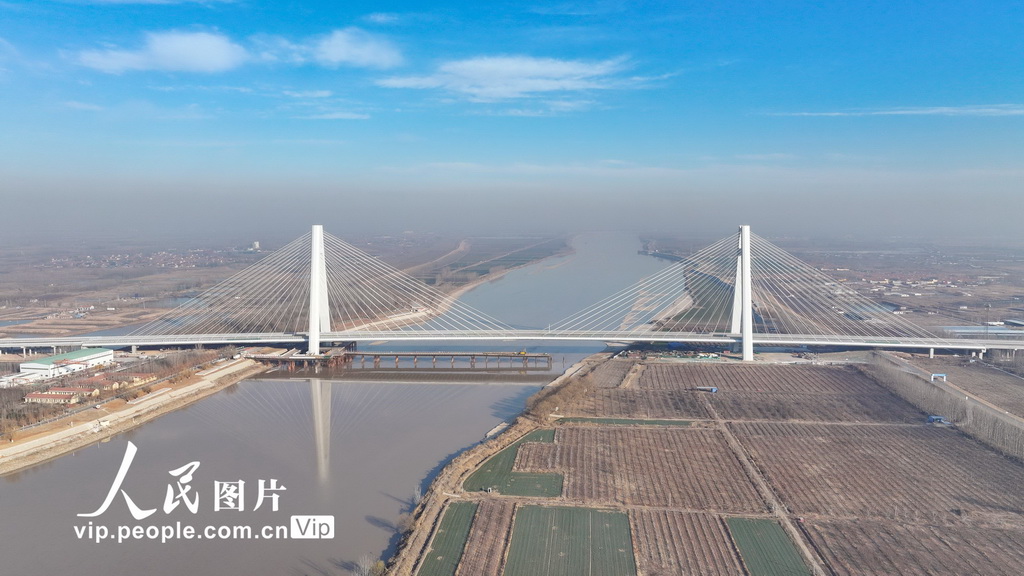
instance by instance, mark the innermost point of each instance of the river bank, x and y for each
(495, 276)
(447, 485)
(103, 425)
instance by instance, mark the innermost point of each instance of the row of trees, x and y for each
(15, 414)
(180, 365)
(978, 420)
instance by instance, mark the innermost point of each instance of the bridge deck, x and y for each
(502, 336)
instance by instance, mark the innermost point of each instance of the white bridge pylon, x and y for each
(319, 285)
(749, 291)
(319, 307)
(741, 289)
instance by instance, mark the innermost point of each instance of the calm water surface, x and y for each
(378, 443)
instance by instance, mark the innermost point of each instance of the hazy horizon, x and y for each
(221, 119)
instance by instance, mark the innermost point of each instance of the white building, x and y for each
(53, 366)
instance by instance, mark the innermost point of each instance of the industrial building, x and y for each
(53, 366)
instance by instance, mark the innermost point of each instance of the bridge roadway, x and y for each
(126, 341)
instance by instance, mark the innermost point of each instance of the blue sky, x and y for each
(854, 107)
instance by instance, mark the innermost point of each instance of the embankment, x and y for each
(972, 415)
(33, 451)
(447, 486)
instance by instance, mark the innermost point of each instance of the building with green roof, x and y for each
(68, 362)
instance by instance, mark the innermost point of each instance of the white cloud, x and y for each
(490, 78)
(970, 110)
(540, 107)
(269, 48)
(347, 47)
(171, 51)
(356, 47)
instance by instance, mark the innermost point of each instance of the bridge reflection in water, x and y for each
(320, 394)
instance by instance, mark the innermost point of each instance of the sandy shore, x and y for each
(101, 425)
(495, 276)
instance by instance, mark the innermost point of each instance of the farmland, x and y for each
(611, 373)
(450, 539)
(787, 469)
(562, 541)
(688, 468)
(497, 474)
(880, 547)
(641, 404)
(785, 392)
(907, 472)
(485, 547)
(681, 543)
(765, 548)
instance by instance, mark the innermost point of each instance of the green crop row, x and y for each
(496, 473)
(562, 541)
(449, 541)
(765, 548)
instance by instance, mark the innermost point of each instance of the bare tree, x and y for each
(365, 566)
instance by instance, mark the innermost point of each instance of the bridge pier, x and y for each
(931, 352)
(747, 312)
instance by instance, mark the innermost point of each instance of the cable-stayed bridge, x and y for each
(741, 290)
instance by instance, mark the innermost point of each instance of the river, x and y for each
(379, 444)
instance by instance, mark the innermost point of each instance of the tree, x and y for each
(364, 566)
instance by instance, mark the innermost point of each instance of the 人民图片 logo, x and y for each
(228, 495)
